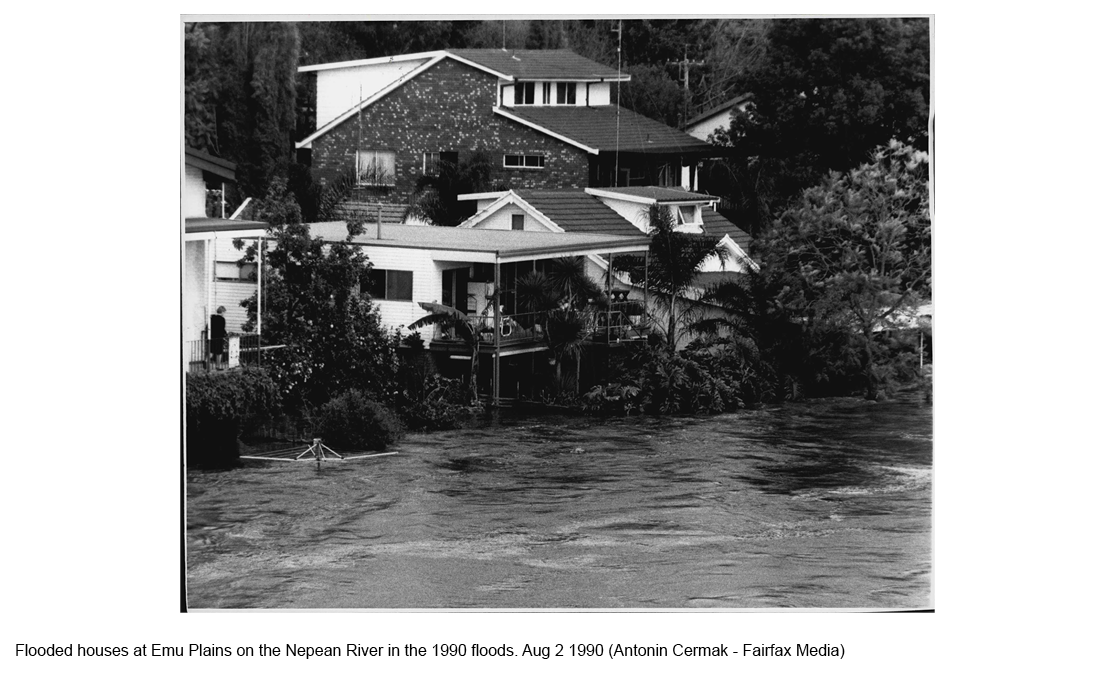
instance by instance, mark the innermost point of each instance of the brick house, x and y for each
(545, 119)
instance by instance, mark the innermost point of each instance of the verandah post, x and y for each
(496, 338)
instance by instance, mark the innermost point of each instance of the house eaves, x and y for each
(210, 164)
(542, 129)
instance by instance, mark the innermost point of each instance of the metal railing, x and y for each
(238, 350)
(616, 321)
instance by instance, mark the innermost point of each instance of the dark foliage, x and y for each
(355, 421)
(219, 406)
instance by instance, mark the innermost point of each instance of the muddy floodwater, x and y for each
(823, 504)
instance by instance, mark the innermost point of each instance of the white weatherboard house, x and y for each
(459, 267)
(211, 274)
(705, 124)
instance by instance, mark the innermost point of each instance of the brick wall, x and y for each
(447, 108)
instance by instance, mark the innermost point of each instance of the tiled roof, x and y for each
(717, 225)
(596, 128)
(539, 64)
(575, 211)
(661, 194)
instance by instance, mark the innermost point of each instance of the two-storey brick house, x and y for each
(545, 118)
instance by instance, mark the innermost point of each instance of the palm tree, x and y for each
(436, 195)
(447, 316)
(561, 298)
(675, 262)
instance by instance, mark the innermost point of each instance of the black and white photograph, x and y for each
(558, 314)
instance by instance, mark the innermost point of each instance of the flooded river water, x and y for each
(822, 504)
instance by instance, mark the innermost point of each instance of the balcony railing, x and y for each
(239, 350)
(615, 322)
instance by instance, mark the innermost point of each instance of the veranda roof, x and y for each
(483, 245)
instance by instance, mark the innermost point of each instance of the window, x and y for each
(524, 161)
(433, 161)
(566, 93)
(687, 214)
(235, 271)
(516, 223)
(559, 93)
(388, 284)
(524, 93)
(375, 167)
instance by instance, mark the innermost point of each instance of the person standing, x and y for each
(217, 336)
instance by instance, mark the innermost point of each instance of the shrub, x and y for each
(219, 405)
(613, 398)
(432, 403)
(355, 421)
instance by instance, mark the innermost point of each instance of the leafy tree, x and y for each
(851, 257)
(675, 262)
(314, 307)
(241, 96)
(825, 92)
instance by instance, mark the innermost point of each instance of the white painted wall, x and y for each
(599, 93)
(340, 89)
(635, 213)
(501, 219)
(229, 293)
(706, 127)
(193, 193)
(427, 285)
(193, 290)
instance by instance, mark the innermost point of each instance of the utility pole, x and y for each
(685, 63)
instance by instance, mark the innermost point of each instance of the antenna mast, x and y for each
(619, 75)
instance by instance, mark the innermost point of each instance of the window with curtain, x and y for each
(375, 167)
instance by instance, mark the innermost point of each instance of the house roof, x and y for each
(206, 227)
(575, 211)
(541, 64)
(482, 244)
(654, 194)
(719, 226)
(596, 127)
(211, 164)
(712, 112)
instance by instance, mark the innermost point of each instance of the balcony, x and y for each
(617, 322)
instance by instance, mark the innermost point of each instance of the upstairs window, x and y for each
(559, 93)
(687, 214)
(524, 161)
(388, 284)
(517, 223)
(566, 93)
(375, 167)
(524, 93)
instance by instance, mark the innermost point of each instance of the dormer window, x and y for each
(524, 93)
(687, 214)
(559, 93)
